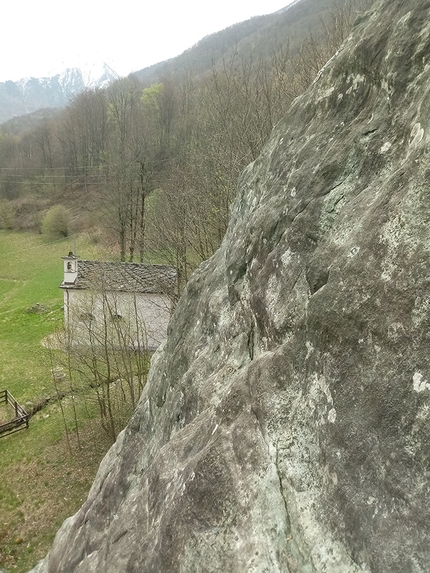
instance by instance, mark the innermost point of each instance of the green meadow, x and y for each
(30, 274)
(45, 471)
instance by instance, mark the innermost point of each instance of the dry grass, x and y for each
(40, 491)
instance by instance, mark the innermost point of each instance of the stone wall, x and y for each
(144, 317)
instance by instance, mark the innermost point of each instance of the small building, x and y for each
(110, 303)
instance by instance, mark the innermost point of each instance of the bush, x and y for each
(56, 222)
(7, 214)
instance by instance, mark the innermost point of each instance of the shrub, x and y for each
(7, 214)
(56, 222)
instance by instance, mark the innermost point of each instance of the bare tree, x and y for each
(107, 357)
(128, 167)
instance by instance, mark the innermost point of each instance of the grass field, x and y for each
(45, 475)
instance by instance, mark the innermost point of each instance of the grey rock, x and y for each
(285, 426)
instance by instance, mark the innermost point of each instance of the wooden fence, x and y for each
(20, 418)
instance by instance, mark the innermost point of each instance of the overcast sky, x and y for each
(38, 36)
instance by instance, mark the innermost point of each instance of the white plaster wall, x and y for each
(144, 316)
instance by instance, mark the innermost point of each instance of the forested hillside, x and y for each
(149, 165)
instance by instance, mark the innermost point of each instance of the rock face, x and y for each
(286, 423)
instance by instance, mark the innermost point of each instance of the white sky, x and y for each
(36, 37)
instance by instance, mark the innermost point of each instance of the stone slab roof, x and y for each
(125, 277)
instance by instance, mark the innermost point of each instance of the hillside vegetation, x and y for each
(150, 164)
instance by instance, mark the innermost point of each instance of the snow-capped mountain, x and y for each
(94, 73)
(30, 94)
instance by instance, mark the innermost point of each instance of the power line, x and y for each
(7, 177)
(47, 168)
(104, 165)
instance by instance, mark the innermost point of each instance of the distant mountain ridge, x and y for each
(259, 35)
(30, 94)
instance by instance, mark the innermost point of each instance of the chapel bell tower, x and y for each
(70, 268)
